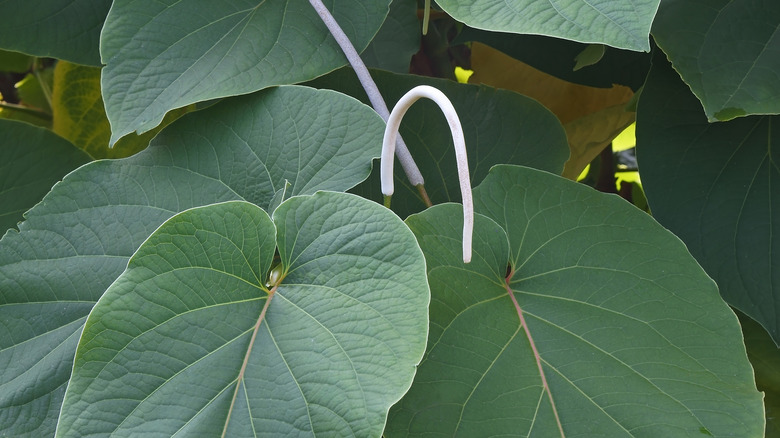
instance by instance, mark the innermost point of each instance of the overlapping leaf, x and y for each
(397, 40)
(63, 29)
(578, 316)
(765, 358)
(623, 24)
(326, 350)
(557, 57)
(31, 161)
(717, 186)
(288, 140)
(591, 116)
(165, 55)
(500, 127)
(79, 116)
(727, 51)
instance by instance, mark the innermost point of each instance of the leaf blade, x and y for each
(205, 50)
(630, 331)
(724, 210)
(623, 25)
(341, 370)
(78, 241)
(726, 51)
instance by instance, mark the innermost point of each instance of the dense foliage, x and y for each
(195, 241)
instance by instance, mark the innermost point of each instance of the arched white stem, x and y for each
(388, 150)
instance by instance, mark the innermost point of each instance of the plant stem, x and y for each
(407, 162)
(44, 86)
(388, 146)
(27, 110)
(426, 17)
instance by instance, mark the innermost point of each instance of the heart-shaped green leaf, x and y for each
(31, 161)
(716, 186)
(165, 55)
(623, 24)
(727, 51)
(578, 316)
(77, 241)
(63, 29)
(326, 349)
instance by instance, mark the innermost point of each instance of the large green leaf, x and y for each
(189, 340)
(717, 186)
(727, 51)
(63, 29)
(577, 306)
(500, 127)
(165, 55)
(623, 24)
(31, 161)
(282, 141)
(397, 40)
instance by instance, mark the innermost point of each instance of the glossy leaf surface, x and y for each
(325, 350)
(579, 316)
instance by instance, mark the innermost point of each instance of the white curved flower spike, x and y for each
(388, 151)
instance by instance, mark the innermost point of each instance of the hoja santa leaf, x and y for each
(727, 51)
(63, 29)
(579, 316)
(619, 23)
(165, 55)
(189, 340)
(717, 186)
(75, 243)
(31, 161)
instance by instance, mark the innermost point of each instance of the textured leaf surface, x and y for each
(727, 51)
(165, 55)
(327, 351)
(632, 337)
(32, 159)
(717, 186)
(79, 116)
(623, 24)
(78, 240)
(500, 127)
(63, 29)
